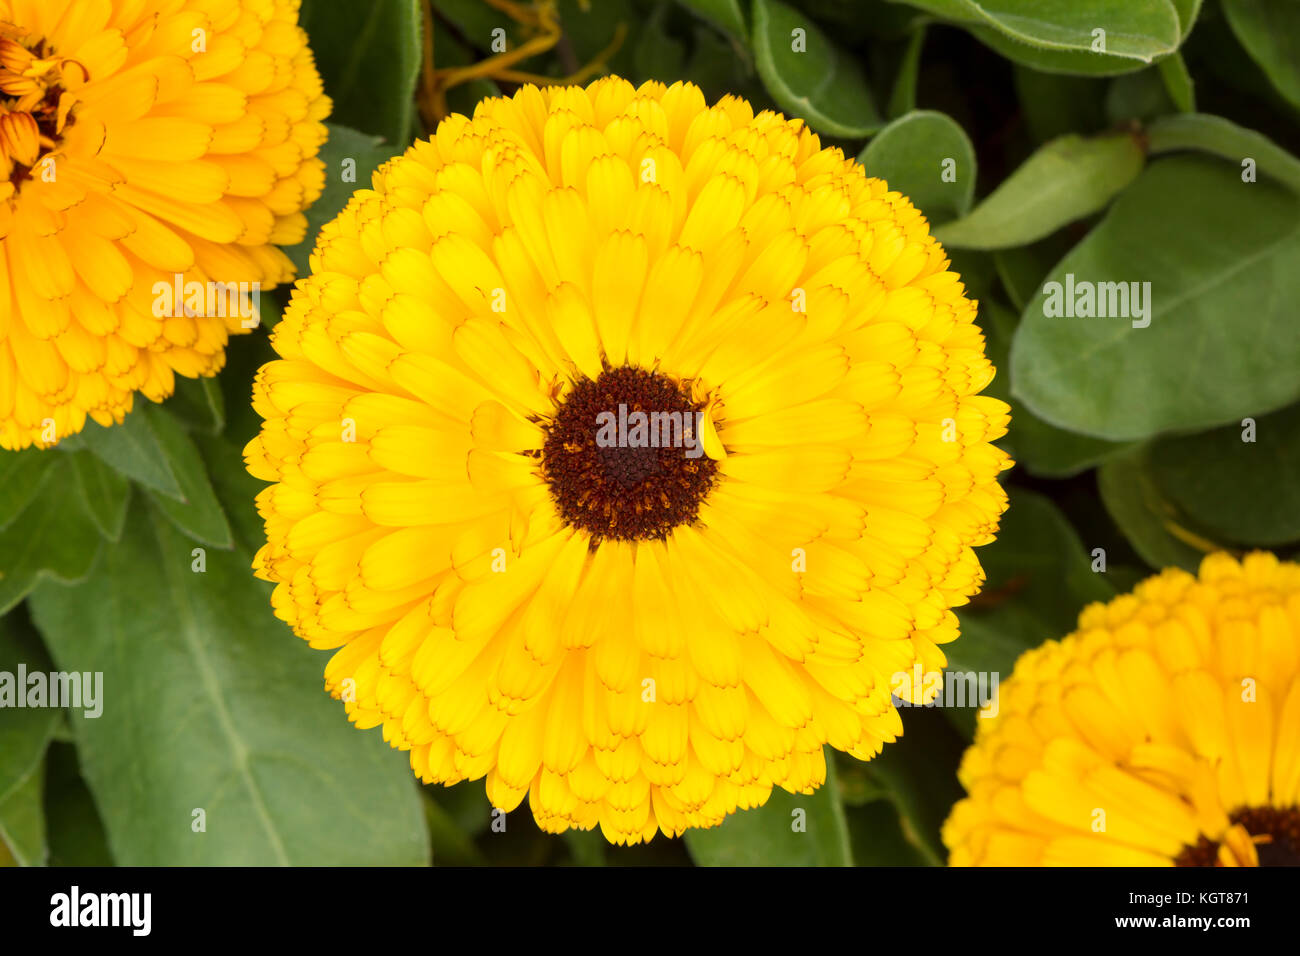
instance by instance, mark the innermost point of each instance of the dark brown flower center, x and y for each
(623, 455)
(1278, 826)
(35, 106)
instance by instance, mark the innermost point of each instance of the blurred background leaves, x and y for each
(1162, 150)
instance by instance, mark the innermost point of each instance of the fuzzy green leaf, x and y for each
(214, 705)
(808, 76)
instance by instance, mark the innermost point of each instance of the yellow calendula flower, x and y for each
(153, 154)
(1164, 731)
(626, 447)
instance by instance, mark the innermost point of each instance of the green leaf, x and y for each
(1039, 578)
(236, 489)
(198, 404)
(53, 538)
(351, 158)
(25, 735)
(1022, 269)
(767, 835)
(1270, 32)
(1057, 35)
(73, 828)
(21, 474)
(1179, 82)
(820, 84)
(132, 448)
(903, 98)
(1147, 520)
(1188, 11)
(1065, 180)
(197, 513)
(1221, 137)
(245, 355)
(1211, 247)
(1040, 448)
(857, 786)
(475, 22)
(1138, 97)
(918, 772)
(464, 803)
(104, 492)
(1065, 62)
(22, 819)
(718, 69)
(587, 847)
(726, 15)
(1247, 492)
(1050, 452)
(1142, 31)
(976, 271)
(25, 732)
(928, 158)
(369, 56)
(448, 51)
(658, 56)
(1055, 104)
(214, 705)
(591, 29)
(879, 839)
(452, 846)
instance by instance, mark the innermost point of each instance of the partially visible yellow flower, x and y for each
(141, 140)
(1164, 731)
(636, 637)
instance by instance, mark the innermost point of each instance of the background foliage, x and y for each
(1124, 164)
